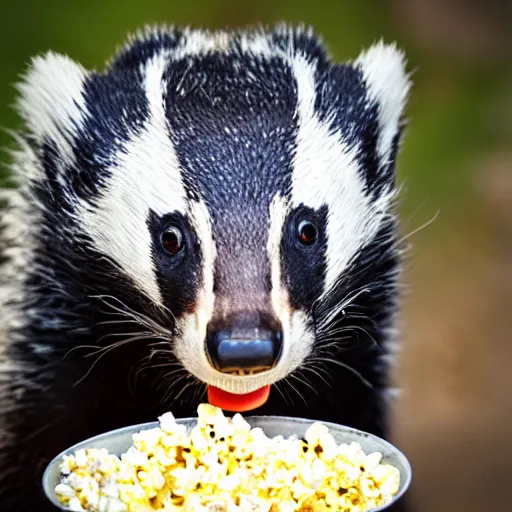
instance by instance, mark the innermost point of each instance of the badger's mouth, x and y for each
(243, 345)
(238, 403)
(240, 358)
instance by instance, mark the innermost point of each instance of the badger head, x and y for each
(241, 184)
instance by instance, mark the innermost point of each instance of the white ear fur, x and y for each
(51, 102)
(383, 68)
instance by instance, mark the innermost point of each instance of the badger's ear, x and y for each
(387, 84)
(51, 100)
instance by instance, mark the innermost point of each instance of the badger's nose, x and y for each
(245, 343)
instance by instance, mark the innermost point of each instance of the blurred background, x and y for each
(455, 415)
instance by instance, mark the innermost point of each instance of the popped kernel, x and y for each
(223, 465)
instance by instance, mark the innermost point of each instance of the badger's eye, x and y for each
(307, 232)
(172, 240)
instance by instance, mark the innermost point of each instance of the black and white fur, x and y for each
(234, 137)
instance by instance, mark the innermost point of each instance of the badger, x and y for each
(211, 217)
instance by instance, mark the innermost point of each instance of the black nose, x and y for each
(245, 342)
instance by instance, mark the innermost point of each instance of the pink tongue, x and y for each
(237, 403)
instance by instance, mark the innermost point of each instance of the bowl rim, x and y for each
(405, 480)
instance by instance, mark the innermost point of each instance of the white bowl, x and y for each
(119, 441)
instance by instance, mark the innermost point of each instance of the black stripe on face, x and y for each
(232, 125)
(304, 265)
(178, 274)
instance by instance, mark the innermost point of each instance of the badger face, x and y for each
(241, 182)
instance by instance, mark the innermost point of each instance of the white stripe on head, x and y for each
(146, 177)
(326, 172)
(277, 217)
(189, 345)
(383, 68)
(200, 42)
(197, 43)
(52, 103)
(258, 44)
(200, 219)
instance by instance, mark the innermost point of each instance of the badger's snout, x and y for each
(244, 343)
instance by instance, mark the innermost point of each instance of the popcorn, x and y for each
(65, 490)
(80, 458)
(167, 422)
(75, 505)
(68, 464)
(147, 440)
(224, 465)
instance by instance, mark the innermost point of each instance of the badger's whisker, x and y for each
(118, 322)
(199, 393)
(168, 376)
(170, 387)
(132, 379)
(103, 352)
(119, 334)
(185, 392)
(357, 329)
(401, 240)
(297, 376)
(333, 311)
(287, 382)
(335, 340)
(78, 347)
(347, 367)
(278, 389)
(315, 371)
(338, 330)
(117, 344)
(164, 343)
(157, 352)
(184, 388)
(98, 349)
(147, 361)
(143, 319)
(133, 312)
(166, 365)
